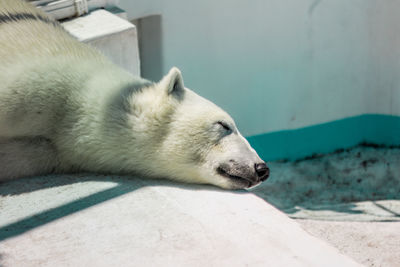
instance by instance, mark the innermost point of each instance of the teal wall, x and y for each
(281, 65)
(328, 137)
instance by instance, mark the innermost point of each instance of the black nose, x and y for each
(262, 171)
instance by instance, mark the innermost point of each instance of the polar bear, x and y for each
(65, 108)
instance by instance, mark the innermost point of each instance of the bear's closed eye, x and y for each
(224, 126)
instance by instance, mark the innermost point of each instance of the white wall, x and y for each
(280, 64)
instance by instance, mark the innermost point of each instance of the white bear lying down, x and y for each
(65, 108)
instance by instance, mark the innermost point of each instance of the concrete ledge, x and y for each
(114, 221)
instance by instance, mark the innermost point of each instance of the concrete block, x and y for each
(113, 36)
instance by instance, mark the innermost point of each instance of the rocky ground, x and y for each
(349, 198)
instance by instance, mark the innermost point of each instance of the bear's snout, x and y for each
(246, 174)
(262, 171)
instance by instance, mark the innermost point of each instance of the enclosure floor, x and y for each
(370, 243)
(350, 199)
(92, 220)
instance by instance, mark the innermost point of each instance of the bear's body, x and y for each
(65, 108)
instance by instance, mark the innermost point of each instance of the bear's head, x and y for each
(184, 137)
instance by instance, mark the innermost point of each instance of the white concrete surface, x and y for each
(112, 221)
(113, 36)
(370, 243)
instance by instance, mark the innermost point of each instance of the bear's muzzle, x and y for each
(244, 174)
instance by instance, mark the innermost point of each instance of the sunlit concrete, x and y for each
(112, 221)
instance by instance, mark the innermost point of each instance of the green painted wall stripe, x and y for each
(328, 137)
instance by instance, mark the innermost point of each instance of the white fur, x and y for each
(62, 110)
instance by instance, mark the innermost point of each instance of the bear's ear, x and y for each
(172, 83)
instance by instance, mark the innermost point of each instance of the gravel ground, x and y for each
(350, 198)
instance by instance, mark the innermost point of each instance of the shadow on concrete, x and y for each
(47, 216)
(150, 46)
(123, 186)
(31, 184)
(27, 185)
(2, 260)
